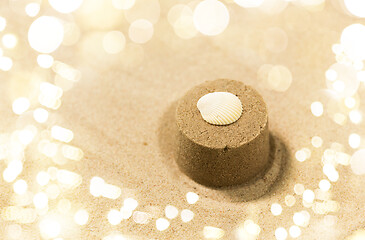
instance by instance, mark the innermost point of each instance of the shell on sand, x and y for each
(220, 108)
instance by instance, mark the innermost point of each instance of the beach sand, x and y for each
(119, 108)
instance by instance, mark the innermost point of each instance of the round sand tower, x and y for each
(223, 155)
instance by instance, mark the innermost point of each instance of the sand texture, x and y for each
(122, 109)
(221, 156)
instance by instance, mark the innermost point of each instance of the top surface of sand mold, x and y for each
(250, 124)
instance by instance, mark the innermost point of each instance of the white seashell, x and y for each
(220, 108)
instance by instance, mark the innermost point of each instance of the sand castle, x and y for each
(223, 155)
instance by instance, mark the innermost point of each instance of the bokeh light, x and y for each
(32, 9)
(302, 154)
(20, 105)
(308, 196)
(350, 102)
(354, 140)
(72, 153)
(130, 203)
(171, 212)
(358, 162)
(290, 200)
(361, 76)
(211, 17)
(98, 187)
(177, 11)
(9, 40)
(312, 5)
(48, 148)
(344, 81)
(50, 90)
(123, 4)
(68, 179)
(114, 42)
(141, 217)
(181, 18)
(72, 34)
(140, 31)
(317, 108)
(279, 78)
(186, 215)
(27, 134)
(339, 118)
(162, 224)
(330, 171)
(276, 209)
(352, 39)
(20, 187)
(355, 7)
(357, 235)
(295, 231)
(192, 197)
(210, 232)
(40, 115)
(2, 23)
(65, 6)
(281, 233)
(249, 3)
(49, 228)
(250, 230)
(111, 191)
(62, 134)
(114, 217)
(99, 24)
(14, 231)
(81, 217)
(324, 185)
(13, 170)
(40, 200)
(126, 212)
(355, 116)
(6, 63)
(43, 178)
(331, 75)
(317, 141)
(45, 34)
(45, 60)
(299, 189)
(301, 218)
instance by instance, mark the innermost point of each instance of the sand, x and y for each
(120, 107)
(222, 156)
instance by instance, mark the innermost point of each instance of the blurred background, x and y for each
(84, 83)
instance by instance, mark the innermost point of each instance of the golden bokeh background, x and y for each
(84, 85)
